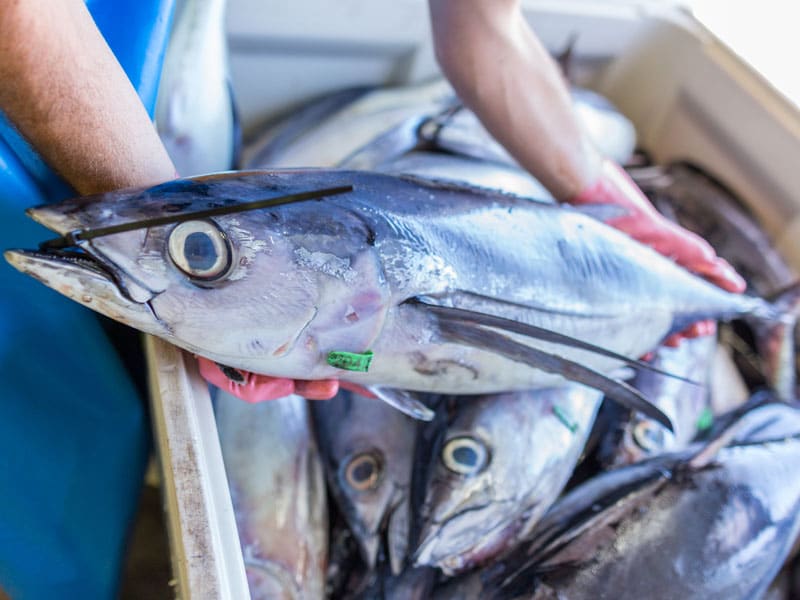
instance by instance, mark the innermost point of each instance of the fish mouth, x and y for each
(97, 285)
(449, 546)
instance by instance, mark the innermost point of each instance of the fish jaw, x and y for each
(89, 285)
(452, 547)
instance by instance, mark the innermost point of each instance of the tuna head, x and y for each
(501, 462)
(246, 289)
(368, 448)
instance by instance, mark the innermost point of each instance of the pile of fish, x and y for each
(533, 455)
(542, 493)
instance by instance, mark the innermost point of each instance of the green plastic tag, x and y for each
(705, 420)
(350, 361)
(564, 418)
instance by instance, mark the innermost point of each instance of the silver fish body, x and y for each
(344, 129)
(368, 448)
(275, 291)
(662, 529)
(278, 490)
(195, 115)
(439, 166)
(495, 469)
(328, 131)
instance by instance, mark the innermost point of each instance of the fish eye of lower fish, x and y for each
(465, 455)
(200, 250)
(363, 472)
(649, 436)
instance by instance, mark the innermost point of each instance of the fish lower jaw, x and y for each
(90, 286)
(453, 558)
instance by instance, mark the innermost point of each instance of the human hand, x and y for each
(645, 224)
(253, 388)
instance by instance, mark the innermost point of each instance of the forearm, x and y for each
(68, 96)
(501, 71)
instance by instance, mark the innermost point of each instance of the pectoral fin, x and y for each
(403, 401)
(481, 337)
(532, 331)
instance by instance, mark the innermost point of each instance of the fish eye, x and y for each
(649, 436)
(200, 249)
(363, 471)
(465, 455)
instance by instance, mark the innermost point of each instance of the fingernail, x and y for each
(231, 373)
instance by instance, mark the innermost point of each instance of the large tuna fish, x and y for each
(399, 282)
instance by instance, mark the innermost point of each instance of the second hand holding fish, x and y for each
(252, 387)
(646, 225)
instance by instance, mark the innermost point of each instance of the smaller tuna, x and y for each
(702, 524)
(278, 490)
(368, 448)
(195, 112)
(494, 467)
(685, 401)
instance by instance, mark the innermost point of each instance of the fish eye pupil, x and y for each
(465, 456)
(363, 471)
(648, 437)
(199, 251)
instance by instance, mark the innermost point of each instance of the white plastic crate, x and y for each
(689, 97)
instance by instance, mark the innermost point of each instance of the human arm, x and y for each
(68, 96)
(504, 74)
(72, 101)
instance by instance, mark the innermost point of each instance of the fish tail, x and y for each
(775, 339)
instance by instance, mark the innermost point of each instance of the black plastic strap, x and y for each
(73, 238)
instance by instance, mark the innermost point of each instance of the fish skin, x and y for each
(279, 133)
(351, 428)
(277, 487)
(195, 113)
(439, 166)
(682, 401)
(329, 130)
(658, 529)
(532, 441)
(318, 276)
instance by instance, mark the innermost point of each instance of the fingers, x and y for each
(699, 329)
(260, 388)
(721, 273)
(686, 248)
(323, 389)
(252, 387)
